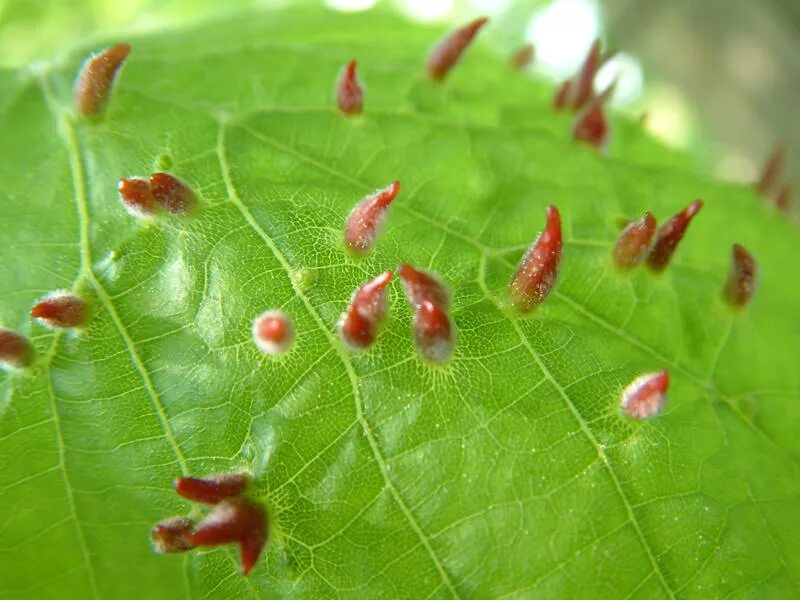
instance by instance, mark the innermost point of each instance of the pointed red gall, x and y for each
(669, 235)
(172, 535)
(61, 309)
(349, 91)
(421, 286)
(784, 198)
(770, 179)
(434, 335)
(137, 197)
(646, 395)
(634, 242)
(741, 282)
(591, 125)
(172, 194)
(360, 322)
(273, 332)
(213, 488)
(576, 92)
(448, 51)
(234, 521)
(16, 351)
(523, 57)
(93, 86)
(365, 221)
(538, 270)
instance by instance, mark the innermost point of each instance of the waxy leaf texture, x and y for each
(508, 471)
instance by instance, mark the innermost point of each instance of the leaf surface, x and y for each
(508, 472)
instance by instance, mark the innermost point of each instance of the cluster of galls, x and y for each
(57, 310)
(235, 519)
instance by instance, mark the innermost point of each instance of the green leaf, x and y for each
(507, 472)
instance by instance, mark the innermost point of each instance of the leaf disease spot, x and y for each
(96, 77)
(537, 272)
(213, 488)
(421, 286)
(273, 332)
(741, 284)
(646, 395)
(137, 196)
(434, 334)
(634, 242)
(172, 535)
(61, 310)
(449, 50)
(234, 521)
(172, 194)
(349, 90)
(368, 308)
(523, 57)
(16, 351)
(669, 235)
(365, 222)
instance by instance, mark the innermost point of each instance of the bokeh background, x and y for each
(718, 78)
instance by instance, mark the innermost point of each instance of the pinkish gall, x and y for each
(16, 351)
(741, 282)
(349, 91)
(523, 57)
(784, 198)
(538, 270)
(137, 197)
(771, 174)
(420, 286)
(634, 242)
(669, 235)
(171, 193)
(448, 51)
(93, 86)
(213, 488)
(172, 535)
(591, 125)
(234, 521)
(646, 395)
(365, 221)
(60, 310)
(360, 322)
(434, 335)
(273, 332)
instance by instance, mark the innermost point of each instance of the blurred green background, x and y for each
(720, 78)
